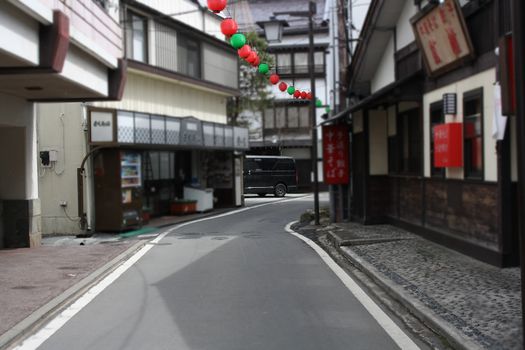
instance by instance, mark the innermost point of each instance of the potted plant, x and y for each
(183, 206)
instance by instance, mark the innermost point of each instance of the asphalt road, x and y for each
(239, 281)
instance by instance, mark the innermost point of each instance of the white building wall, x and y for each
(60, 128)
(404, 32)
(385, 73)
(19, 34)
(485, 80)
(19, 179)
(150, 94)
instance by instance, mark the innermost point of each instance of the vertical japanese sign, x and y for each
(442, 37)
(336, 154)
(448, 145)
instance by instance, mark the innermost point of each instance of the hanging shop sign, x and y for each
(448, 145)
(336, 154)
(101, 127)
(442, 37)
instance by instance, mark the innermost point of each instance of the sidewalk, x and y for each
(36, 283)
(472, 304)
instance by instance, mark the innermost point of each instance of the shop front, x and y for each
(152, 165)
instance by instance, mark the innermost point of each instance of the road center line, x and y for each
(390, 327)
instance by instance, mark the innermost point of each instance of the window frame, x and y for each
(470, 96)
(400, 135)
(145, 46)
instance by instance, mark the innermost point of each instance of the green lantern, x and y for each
(238, 40)
(291, 90)
(318, 104)
(327, 109)
(263, 68)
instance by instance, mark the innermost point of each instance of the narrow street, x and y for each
(238, 281)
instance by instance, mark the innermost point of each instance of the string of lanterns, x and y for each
(229, 28)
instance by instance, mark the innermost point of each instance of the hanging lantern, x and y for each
(327, 109)
(283, 86)
(216, 5)
(256, 62)
(291, 90)
(297, 94)
(304, 95)
(237, 40)
(263, 68)
(251, 57)
(318, 103)
(244, 51)
(229, 27)
(274, 79)
(309, 96)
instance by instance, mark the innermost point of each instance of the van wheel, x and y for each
(280, 190)
(261, 194)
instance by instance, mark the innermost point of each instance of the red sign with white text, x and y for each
(448, 145)
(336, 164)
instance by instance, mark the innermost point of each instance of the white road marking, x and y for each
(37, 339)
(390, 327)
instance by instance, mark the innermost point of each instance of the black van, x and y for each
(269, 174)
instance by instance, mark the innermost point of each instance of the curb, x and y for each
(48, 311)
(418, 309)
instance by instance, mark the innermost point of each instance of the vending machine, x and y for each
(118, 190)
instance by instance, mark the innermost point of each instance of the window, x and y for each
(269, 119)
(300, 63)
(473, 134)
(409, 141)
(436, 117)
(284, 63)
(137, 44)
(280, 117)
(188, 57)
(319, 61)
(293, 117)
(304, 117)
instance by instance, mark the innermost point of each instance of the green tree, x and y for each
(254, 93)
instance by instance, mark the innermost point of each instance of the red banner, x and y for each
(336, 154)
(448, 145)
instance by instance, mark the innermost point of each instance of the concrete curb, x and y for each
(48, 311)
(456, 339)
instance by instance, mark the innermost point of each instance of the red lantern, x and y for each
(216, 5)
(256, 62)
(297, 94)
(251, 57)
(244, 51)
(283, 86)
(309, 96)
(274, 79)
(304, 95)
(229, 27)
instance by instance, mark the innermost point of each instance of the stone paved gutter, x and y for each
(472, 304)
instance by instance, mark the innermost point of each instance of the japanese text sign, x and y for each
(336, 154)
(442, 37)
(448, 145)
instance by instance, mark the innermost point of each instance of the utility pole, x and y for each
(518, 38)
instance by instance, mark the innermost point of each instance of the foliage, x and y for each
(255, 95)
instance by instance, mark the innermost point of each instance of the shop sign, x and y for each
(191, 132)
(442, 37)
(448, 145)
(101, 127)
(336, 154)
